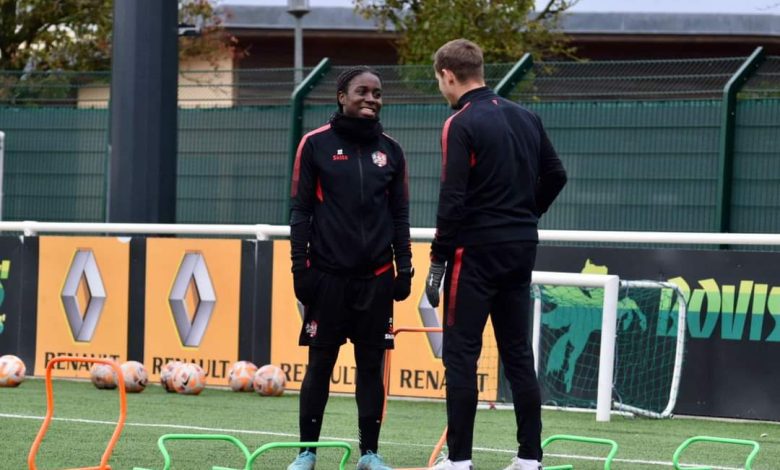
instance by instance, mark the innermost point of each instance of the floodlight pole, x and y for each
(141, 186)
(298, 9)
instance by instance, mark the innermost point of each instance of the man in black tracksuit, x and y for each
(349, 221)
(500, 173)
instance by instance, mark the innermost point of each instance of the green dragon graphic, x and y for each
(577, 312)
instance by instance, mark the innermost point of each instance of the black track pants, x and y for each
(490, 280)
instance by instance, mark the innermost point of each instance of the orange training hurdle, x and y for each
(50, 411)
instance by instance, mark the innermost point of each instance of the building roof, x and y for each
(276, 17)
(684, 24)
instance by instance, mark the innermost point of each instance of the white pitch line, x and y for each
(601, 459)
(282, 434)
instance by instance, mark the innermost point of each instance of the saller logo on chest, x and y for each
(339, 155)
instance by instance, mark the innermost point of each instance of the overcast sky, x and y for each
(669, 6)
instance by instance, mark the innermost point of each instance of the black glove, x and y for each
(402, 285)
(305, 284)
(433, 282)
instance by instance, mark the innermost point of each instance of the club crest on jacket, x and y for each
(311, 329)
(379, 158)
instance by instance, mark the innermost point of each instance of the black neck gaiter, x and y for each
(360, 130)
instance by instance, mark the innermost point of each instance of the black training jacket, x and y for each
(350, 204)
(500, 173)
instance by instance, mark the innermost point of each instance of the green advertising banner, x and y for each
(12, 318)
(733, 332)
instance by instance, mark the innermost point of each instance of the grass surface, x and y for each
(85, 417)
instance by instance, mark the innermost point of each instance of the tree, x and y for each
(44, 35)
(505, 29)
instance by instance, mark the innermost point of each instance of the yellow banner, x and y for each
(192, 302)
(286, 321)
(82, 301)
(416, 367)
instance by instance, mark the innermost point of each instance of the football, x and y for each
(166, 375)
(103, 376)
(12, 370)
(241, 375)
(135, 376)
(189, 379)
(269, 381)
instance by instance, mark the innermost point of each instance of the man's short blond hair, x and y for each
(461, 57)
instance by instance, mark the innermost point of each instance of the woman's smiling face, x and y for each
(363, 97)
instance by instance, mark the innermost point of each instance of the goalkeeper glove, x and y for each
(305, 284)
(402, 286)
(433, 282)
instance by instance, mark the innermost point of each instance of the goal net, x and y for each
(608, 344)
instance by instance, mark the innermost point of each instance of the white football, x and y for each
(269, 381)
(12, 370)
(135, 376)
(189, 379)
(241, 375)
(103, 376)
(166, 375)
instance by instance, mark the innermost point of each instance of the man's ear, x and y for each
(449, 76)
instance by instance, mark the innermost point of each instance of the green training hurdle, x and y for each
(719, 440)
(195, 437)
(249, 457)
(275, 445)
(590, 440)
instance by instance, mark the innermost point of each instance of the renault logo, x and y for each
(193, 278)
(83, 274)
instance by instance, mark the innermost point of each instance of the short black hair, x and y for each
(342, 82)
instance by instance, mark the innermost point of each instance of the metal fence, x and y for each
(642, 141)
(627, 80)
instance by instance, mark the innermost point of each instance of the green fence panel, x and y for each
(233, 165)
(54, 163)
(413, 113)
(418, 129)
(635, 165)
(632, 165)
(755, 196)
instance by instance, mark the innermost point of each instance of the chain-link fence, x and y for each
(547, 81)
(53, 88)
(627, 80)
(642, 141)
(765, 83)
(196, 88)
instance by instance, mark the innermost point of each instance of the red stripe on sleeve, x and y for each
(296, 176)
(320, 196)
(383, 269)
(445, 132)
(457, 263)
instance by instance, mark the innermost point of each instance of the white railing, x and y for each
(2, 170)
(265, 232)
(31, 228)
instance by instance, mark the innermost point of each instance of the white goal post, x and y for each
(679, 352)
(611, 285)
